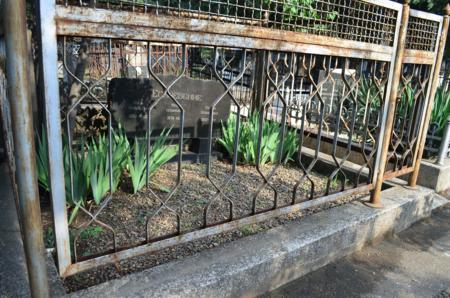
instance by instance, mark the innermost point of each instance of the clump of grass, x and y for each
(248, 141)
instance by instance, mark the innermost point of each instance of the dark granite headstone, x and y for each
(131, 98)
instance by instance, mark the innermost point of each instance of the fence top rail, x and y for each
(104, 23)
(426, 15)
(369, 21)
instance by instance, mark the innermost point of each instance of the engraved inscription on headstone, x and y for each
(131, 98)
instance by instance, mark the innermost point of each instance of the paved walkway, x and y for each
(415, 263)
(13, 271)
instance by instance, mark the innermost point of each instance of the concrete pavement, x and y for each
(13, 269)
(414, 263)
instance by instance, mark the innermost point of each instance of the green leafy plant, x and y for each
(97, 163)
(89, 165)
(160, 154)
(337, 180)
(290, 12)
(406, 101)
(137, 166)
(90, 232)
(248, 140)
(368, 94)
(49, 238)
(368, 105)
(121, 151)
(80, 179)
(42, 160)
(441, 110)
(296, 10)
(291, 145)
(80, 173)
(228, 134)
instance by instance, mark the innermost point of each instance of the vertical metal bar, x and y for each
(375, 199)
(384, 113)
(17, 71)
(434, 86)
(49, 70)
(443, 150)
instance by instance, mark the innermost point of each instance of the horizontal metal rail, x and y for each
(103, 23)
(419, 57)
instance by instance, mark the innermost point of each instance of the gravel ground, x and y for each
(127, 214)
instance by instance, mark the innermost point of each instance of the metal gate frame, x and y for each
(93, 22)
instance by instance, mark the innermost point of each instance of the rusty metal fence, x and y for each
(351, 81)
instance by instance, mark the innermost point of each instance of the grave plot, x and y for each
(162, 140)
(185, 125)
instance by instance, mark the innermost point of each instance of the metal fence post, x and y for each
(375, 199)
(443, 150)
(49, 70)
(434, 86)
(17, 71)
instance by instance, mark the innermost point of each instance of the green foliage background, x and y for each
(435, 6)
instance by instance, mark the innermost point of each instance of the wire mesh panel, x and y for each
(422, 34)
(355, 20)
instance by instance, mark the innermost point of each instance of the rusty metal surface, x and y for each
(416, 76)
(394, 174)
(359, 20)
(385, 106)
(139, 26)
(433, 89)
(352, 127)
(387, 132)
(17, 73)
(419, 57)
(414, 92)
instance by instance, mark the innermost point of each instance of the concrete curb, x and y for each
(434, 176)
(263, 262)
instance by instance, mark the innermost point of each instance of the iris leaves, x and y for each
(87, 169)
(248, 141)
